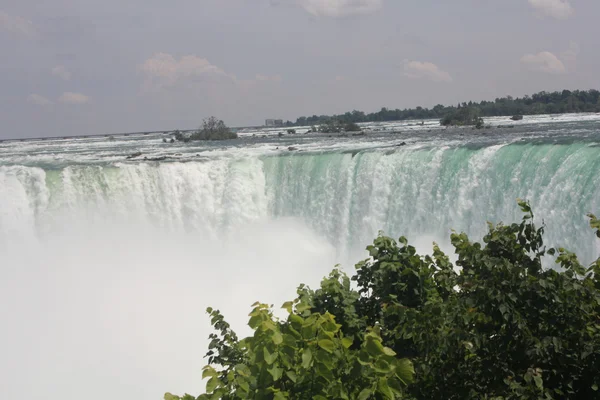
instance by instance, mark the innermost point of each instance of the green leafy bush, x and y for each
(495, 325)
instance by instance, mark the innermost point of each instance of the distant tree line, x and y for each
(540, 103)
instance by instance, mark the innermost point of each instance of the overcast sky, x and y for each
(103, 66)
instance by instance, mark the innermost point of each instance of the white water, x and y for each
(106, 273)
(117, 312)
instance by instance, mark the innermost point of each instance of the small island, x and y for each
(463, 116)
(337, 126)
(211, 129)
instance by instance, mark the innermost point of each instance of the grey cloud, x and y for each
(559, 9)
(38, 99)
(544, 62)
(163, 70)
(425, 70)
(182, 84)
(61, 72)
(340, 8)
(335, 8)
(73, 98)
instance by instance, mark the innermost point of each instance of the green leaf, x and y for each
(347, 342)
(405, 371)
(212, 384)
(269, 357)
(538, 381)
(268, 325)
(503, 309)
(382, 366)
(302, 307)
(276, 372)
(396, 386)
(389, 352)
(288, 306)
(364, 358)
(324, 371)
(374, 347)
(595, 387)
(327, 345)
(208, 372)
(296, 319)
(384, 389)
(292, 375)
(306, 358)
(243, 370)
(524, 205)
(242, 383)
(364, 394)
(255, 321)
(277, 338)
(279, 396)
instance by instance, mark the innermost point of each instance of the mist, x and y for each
(118, 311)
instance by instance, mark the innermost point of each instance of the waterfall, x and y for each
(345, 197)
(426, 193)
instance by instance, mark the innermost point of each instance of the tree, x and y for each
(463, 116)
(351, 127)
(304, 357)
(213, 129)
(504, 327)
(497, 324)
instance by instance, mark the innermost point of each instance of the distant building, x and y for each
(274, 122)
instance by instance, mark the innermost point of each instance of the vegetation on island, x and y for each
(463, 116)
(337, 126)
(540, 103)
(498, 324)
(211, 129)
